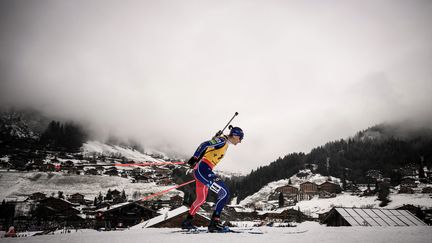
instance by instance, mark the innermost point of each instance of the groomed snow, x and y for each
(314, 233)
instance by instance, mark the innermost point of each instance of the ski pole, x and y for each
(150, 164)
(165, 191)
(221, 131)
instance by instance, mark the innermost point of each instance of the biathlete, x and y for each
(205, 158)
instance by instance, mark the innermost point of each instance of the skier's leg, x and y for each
(201, 192)
(201, 196)
(223, 197)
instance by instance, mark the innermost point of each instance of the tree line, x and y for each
(348, 159)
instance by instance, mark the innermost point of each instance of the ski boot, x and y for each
(216, 226)
(187, 223)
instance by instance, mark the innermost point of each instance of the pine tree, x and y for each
(383, 193)
(123, 196)
(281, 200)
(100, 197)
(108, 196)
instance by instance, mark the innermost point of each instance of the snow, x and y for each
(92, 147)
(307, 232)
(316, 205)
(263, 194)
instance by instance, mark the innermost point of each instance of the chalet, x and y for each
(408, 182)
(166, 181)
(427, 189)
(330, 187)
(409, 170)
(405, 190)
(123, 215)
(141, 178)
(350, 187)
(173, 219)
(371, 217)
(37, 196)
(176, 201)
(417, 211)
(52, 210)
(56, 203)
(68, 163)
(73, 171)
(111, 171)
(429, 174)
(288, 215)
(309, 188)
(292, 215)
(91, 171)
(288, 189)
(77, 198)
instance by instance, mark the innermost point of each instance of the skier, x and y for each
(205, 158)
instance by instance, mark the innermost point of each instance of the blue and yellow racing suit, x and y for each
(210, 154)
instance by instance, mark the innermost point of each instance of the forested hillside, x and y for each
(383, 148)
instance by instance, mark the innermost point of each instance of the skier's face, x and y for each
(235, 140)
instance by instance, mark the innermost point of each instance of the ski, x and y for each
(224, 231)
(297, 232)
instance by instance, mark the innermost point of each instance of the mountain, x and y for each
(390, 149)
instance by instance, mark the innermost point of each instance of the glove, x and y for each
(192, 161)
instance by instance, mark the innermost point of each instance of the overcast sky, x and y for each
(171, 73)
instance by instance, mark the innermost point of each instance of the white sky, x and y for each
(172, 73)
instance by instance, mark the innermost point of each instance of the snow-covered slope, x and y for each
(16, 185)
(307, 175)
(95, 147)
(317, 205)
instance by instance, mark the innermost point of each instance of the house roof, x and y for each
(120, 205)
(166, 216)
(377, 217)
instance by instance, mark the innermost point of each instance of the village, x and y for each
(115, 210)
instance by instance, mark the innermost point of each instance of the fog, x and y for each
(170, 74)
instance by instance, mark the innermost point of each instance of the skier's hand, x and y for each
(192, 161)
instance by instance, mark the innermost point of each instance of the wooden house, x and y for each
(309, 188)
(176, 201)
(427, 189)
(330, 187)
(408, 182)
(37, 196)
(287, 190)
(77, 198)
(123, 215)
(406, 190)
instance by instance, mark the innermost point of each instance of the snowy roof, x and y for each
(161, 218)
(379, 217)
